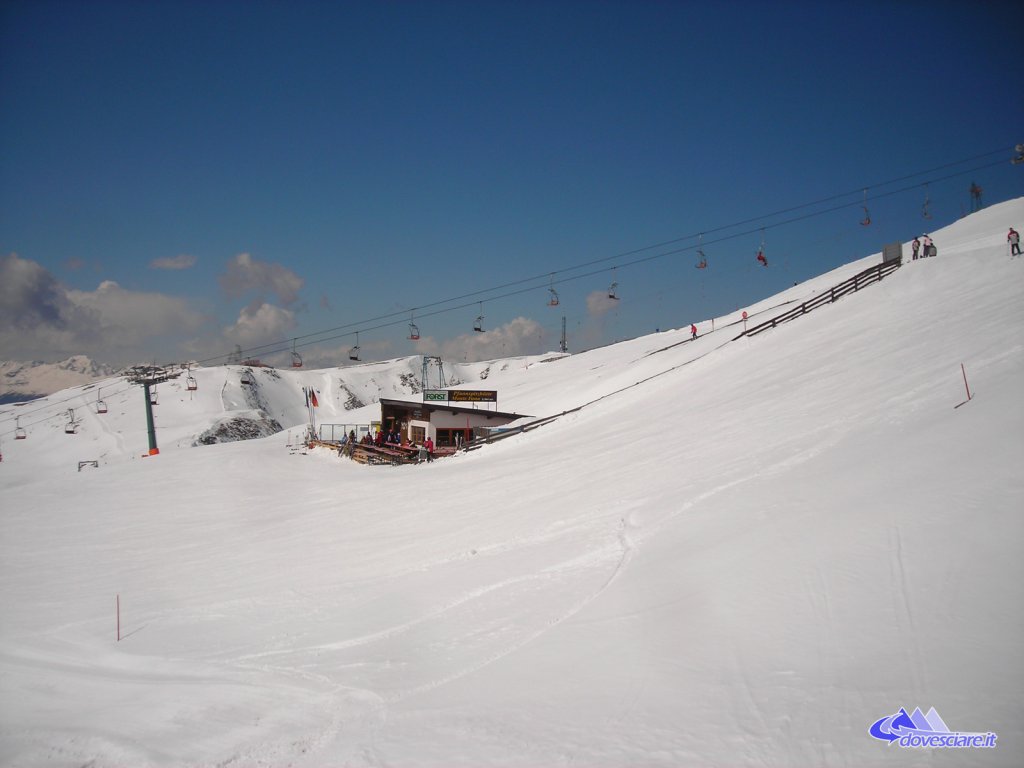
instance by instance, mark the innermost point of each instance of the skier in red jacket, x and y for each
(1014, 240)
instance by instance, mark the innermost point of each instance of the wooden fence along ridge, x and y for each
(836, 292)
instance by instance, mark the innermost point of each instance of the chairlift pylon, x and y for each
(353, 354)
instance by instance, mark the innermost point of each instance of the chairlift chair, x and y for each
(101, 407)
(702, 263)
(478, 324)
(19, 431)
(414, 332)
(153, 399)
(296, 357)
(761, 258)
(353, 354)
(925, 213)
(72, 426)
(191, 384)
(611, 291)
(247, 378)
(553, 301)
(866, 221)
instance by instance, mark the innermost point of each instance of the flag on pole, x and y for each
(312, 398)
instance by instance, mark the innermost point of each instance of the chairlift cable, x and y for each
(275, 347)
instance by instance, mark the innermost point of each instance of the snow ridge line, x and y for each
(549, 419)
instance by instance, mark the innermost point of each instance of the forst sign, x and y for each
(460, 396)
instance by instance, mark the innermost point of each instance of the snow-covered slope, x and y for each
(746, 554)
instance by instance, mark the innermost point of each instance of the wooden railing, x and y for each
(854, 284)
(836, 292)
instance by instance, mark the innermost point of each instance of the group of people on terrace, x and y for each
(392, 439)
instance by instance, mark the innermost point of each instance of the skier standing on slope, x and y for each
(1014, 240)
(915, 247)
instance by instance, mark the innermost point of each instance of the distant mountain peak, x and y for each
(27, 380)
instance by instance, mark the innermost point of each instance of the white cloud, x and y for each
(42, 319)
(183, 261)
(260, 323)
(245, 274)
(600, 303)
(131, 317)
(521, 336)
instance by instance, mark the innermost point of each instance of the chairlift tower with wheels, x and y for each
(424, 379)
(149, 376)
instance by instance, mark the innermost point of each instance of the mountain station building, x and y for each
(444, 420)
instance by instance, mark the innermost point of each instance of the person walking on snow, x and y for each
(693, 331)
(915, 247)
(927, 246)
(1014, 240)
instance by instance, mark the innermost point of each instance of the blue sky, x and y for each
(178, 178)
